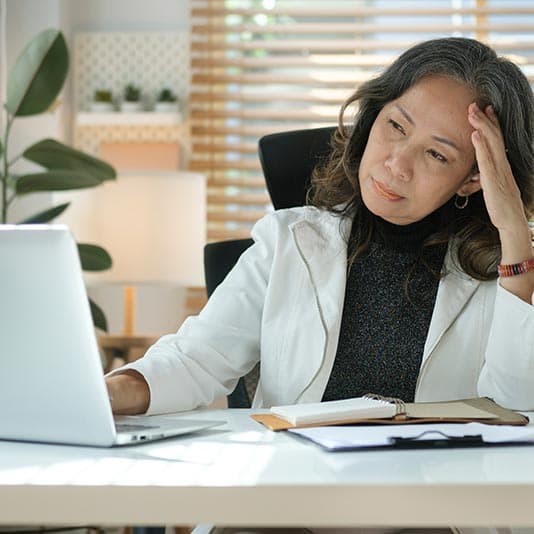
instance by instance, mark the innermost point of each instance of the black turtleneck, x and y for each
(389, 299)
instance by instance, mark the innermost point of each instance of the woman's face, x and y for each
(419, 152)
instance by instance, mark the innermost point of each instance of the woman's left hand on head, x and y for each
(502, 198)
(500, 190)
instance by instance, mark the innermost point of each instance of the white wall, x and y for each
(127, 15)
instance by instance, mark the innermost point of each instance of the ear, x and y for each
(470, 185)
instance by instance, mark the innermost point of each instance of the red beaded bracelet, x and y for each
(514, 269)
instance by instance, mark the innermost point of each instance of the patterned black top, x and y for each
(389, 299)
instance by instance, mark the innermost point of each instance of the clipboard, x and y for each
(410, 437)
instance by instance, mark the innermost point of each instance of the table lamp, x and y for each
(152, 223)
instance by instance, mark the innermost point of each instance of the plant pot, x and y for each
(166, 107)
(130, 107)
(101, 107)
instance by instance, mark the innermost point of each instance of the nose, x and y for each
(399, 163)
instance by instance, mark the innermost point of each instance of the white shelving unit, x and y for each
(120, 118)
(110, 61)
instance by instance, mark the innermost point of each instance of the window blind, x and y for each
(265, 66)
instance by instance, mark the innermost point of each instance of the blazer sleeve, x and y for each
(508, 374)
(205, 358)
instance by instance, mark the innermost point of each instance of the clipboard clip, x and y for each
(443, 441)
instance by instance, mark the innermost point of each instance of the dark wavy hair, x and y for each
(494, 80)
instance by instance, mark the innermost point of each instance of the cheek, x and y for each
(373, 149)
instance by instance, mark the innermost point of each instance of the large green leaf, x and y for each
(46, 215)
(38, 74)
(93, 257)
(57, 180)
(99, 319)
(55, 155)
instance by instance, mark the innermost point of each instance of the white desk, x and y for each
(242, 474)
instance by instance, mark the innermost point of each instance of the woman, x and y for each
(388, 282)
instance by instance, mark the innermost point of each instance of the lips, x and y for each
(384, 191)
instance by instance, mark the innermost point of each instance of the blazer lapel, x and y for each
(323, 249)
(454, 291)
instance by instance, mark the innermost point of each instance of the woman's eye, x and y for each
(437, 156)
(396, 126)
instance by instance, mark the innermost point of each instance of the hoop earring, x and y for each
(462, 205)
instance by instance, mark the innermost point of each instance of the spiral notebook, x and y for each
(373, 409)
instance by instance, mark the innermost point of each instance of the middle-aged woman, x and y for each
(388, 283)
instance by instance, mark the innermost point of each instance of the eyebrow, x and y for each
(443, 140)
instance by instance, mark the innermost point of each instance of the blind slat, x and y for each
(238, 164)
(218, 131)
(244, 182)
(349, 11)
(258, 114)
(326, 60)
(241, 216)
(224, 148)
(223, 199)
(324, 96)
(222, 234)
(358, 28)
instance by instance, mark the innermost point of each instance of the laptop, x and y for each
(52, 385)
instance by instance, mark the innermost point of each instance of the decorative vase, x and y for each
(131, 107)
(166, 107)
(101, 107)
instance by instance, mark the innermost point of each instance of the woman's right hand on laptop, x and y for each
(129, 393)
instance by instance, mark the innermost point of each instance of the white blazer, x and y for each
(284, 300)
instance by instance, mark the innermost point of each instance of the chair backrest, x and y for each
(287, 160)
(219, 258)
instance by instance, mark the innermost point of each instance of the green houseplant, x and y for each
(102, 101)
(131, 98)
(166, 101)
(33, 85)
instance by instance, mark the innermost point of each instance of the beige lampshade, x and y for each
(153, 225)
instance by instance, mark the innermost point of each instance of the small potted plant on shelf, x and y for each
(131, 99)
(102, 101)
(166, 102)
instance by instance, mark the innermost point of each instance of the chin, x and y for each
(390, 215)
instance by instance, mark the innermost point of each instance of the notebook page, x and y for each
(320, 412)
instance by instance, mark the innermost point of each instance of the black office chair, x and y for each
(287, 160)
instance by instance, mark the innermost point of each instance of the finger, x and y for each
(490, 113)
(493, 171)
(487, 128)
(479, 119)
(482, 153)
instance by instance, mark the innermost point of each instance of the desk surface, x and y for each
(241, 474)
